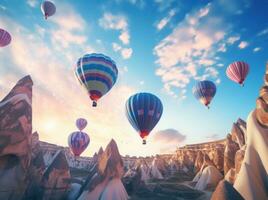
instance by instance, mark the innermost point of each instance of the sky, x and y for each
(160, 46)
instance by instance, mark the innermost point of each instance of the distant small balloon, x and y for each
(237, 72)
(5, 38)
(204, 91)
(78, 142)
(48, 9)
(81, 123)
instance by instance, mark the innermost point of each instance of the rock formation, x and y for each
(252, 180)
(225, 191)
(15, 137)
(199, 161)
(154, 170)
(229, 153)
(209, 178)
(109, 172)
(56, 179)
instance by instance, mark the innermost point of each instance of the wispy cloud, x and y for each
(163, 22)
(263, 32)
(233, 39)
(126, 53)
(256, 49)
(116, 22)
(32, 3)
(243, 44)
(190, 51)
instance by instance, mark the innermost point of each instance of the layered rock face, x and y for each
(56, 178)
(23, 173)
(252, 180)
(15, 139)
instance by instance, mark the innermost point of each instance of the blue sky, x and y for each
(160, 46)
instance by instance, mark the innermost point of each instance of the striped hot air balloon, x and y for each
(143, 111)
(48, 9)
(204, 91)
(78, 142)
(238, 72)
(81, 123)
(5, 38)
(97, 73)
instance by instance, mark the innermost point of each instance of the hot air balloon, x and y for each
(5, 38)
(238, 72)
(78, 142)
(81, 123)
(204, 91)
(48, 9)
(97, 73)
(143, 111)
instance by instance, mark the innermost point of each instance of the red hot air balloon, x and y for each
(81, 123)
(5, 38)
(238, 72)
(78, 142)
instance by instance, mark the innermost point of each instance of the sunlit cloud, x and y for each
(189, 52)
(55, 85)
(116, 22)
(163, 22)
(168, 140)
(243, 45)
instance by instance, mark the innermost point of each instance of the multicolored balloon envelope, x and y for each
(48, 9)
(81, 123)
(78, 142)
(204, 91)
(143, 111)
(238, 72)
(97, 73)
(5, 38)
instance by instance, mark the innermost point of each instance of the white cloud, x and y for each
(256, 49)
(116, 47)
(233, 39)
(68, 32)
(32, 3)
(45, 63)
(126, 53)
(3, 7)
(168, 140)
(124, 37)
(116, 22)
(163, 22)
(188, 49)
(243, 44)
(263, 32)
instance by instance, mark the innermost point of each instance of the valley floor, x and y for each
(175, 188)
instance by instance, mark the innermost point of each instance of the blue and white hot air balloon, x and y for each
(204, 91)
(97, 73)
(143, 111)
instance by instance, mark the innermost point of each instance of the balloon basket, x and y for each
(94, 104)
(143, 142)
